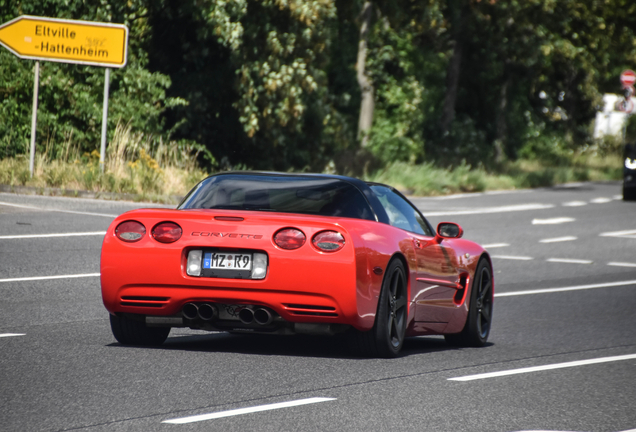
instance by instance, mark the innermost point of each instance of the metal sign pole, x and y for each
(102, 152)
(34, 115)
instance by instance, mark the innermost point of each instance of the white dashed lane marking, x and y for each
(511, 208)
(509, 257)
(495, 245)
(30, 236)
(601, 200)
(3, 335)
(558, 239)
(38, 278)
(552, 221)
(621, 264)
(545, 367)
(630, 234)
(574, 204)
(569, 261)
(240, 411)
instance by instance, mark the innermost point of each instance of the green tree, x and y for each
(280, 49)
(71, 96)
(538, 68)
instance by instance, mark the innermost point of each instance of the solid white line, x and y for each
(558, 239)
(569, 261)
(563, 289)
(28, 236)
(520, 258)
(544, 367)
(621, 264)
(240, 411)
(552, 221)
(487, 210)
(11, 334)
(574, 204)
(600, 200)
(495, 245)
(57, 210)
(36, 278)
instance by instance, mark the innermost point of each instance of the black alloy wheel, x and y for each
(395, 314)
(386, 337)
(629, 194)
(477, 328)
(131, 332)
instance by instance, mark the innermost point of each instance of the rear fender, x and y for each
(378, 244)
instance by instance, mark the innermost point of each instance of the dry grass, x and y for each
(135, 163)
(151, 168)
(427, 179)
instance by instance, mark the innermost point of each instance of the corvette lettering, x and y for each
(230, 235)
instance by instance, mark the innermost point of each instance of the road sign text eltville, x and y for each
(67, 41)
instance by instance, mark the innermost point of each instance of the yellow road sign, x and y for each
(66, 41)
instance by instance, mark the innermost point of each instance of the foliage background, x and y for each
(271, 84)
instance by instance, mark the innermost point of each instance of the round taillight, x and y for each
(130, 231)
(167, 232)
(328, 241)
(289, 238)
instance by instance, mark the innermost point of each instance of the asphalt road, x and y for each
(563, 337)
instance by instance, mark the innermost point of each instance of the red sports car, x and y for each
(295, 253)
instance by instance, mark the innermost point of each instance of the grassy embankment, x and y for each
(427, 179)
(136, 165)
(155, 171)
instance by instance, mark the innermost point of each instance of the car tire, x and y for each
(629, 194)
(477, 328)
(130, 332)
(386, 337)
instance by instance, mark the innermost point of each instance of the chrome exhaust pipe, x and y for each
(208, 311)
(246, 315)
(263, 316)
(190, 311)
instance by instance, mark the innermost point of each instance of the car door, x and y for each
(437, 275)
(437, 280)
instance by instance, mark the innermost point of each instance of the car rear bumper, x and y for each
(160, 300)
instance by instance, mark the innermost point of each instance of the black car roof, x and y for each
(353, 180)
(361, 185)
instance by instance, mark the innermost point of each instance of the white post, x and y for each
(102, 152)
(34, 115)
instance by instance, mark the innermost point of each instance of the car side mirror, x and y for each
(448, 230)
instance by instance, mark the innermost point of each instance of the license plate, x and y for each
(227, 261)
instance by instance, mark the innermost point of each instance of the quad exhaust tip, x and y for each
(247, 315)
(263, 316)
(260, 316)
(205, 311)
(208, 311)
(190, 311)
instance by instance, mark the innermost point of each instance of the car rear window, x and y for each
(304, 195)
